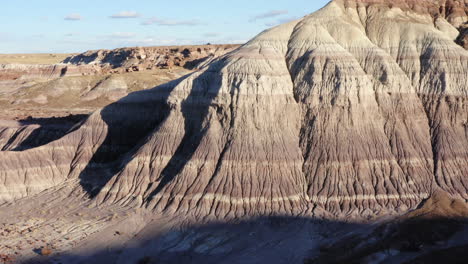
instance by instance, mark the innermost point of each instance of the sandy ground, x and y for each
(76, 232)
(75, 95)
(33, 58)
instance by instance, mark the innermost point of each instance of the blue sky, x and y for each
(54, 26)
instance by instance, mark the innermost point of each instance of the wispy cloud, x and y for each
(73, 17)
(126, 14)
(270, 14)
(170, 22)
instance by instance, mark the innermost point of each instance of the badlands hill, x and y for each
(147, 58)
(42, 99)
(353, 115)
(95, 78)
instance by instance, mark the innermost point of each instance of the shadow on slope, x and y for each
(47, 130)
(286, 240)
(135, 117)
(129, 121)
(194, 109)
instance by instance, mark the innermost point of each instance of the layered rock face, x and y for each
(147, 58)
(353, 111)
(27, 72)
(454, 11)
(31, 133)
(102, 62)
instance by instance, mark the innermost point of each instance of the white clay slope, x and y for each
(353, 110)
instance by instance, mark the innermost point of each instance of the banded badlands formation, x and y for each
(339, 137)
(41, 102)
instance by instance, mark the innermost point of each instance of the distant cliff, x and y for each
(43, 71)
(147, 58)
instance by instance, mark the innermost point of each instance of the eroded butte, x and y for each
(355, 113)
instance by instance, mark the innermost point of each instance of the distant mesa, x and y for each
(148, 58)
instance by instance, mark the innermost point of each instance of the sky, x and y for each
(65, 26)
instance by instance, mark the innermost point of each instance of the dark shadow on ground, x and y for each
(44, 131)
(404, 241)
(288, 240)
(193, 64)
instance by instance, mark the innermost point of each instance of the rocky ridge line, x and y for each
(147, 58)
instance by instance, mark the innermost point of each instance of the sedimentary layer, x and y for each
(351, 111)
(26, 72)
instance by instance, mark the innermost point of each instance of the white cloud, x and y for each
(270, 14)
(126, 14)
(73, 17)
(169, 22)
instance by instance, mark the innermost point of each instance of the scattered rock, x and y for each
(45, 251)
(138, 59)
(6, 259)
